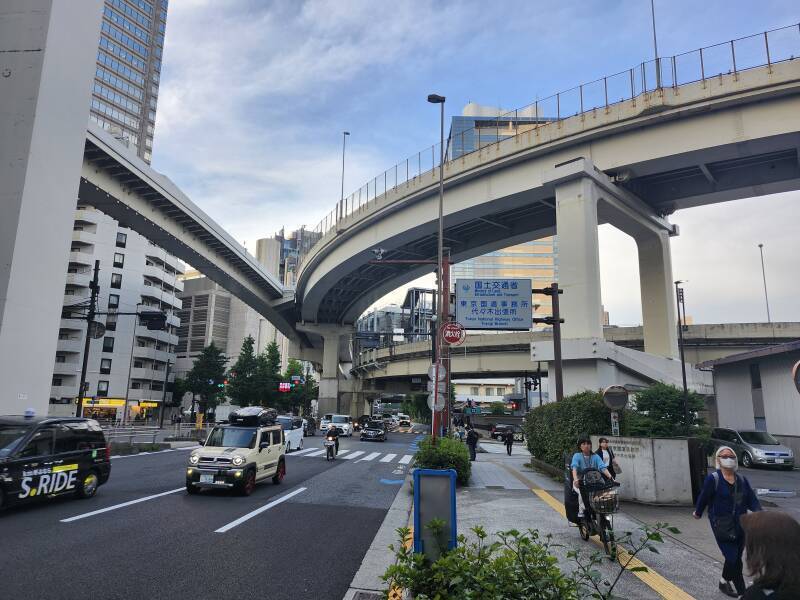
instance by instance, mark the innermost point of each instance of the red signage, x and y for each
(284, 387)
(453, 334)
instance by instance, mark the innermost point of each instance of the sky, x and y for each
(255, 95)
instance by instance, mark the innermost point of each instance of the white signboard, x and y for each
(494, 304)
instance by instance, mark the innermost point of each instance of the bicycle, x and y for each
(598, 517)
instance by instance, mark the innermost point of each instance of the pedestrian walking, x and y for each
(772, 541)
(472, 442)
(508, 438)
(728, 496)
(605, 452)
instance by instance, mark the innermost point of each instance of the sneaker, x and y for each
(727, 589)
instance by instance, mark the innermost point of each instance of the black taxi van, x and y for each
(51, 456)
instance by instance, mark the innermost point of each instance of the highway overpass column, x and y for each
(47, 58)
(579, 258)
(658, 301)
(329, 379)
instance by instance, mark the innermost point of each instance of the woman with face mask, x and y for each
(728, 496)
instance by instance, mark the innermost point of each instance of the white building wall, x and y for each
(781, 398)
(734, 396)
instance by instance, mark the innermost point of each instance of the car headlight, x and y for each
(238, 460)
(194, 459)
(758, 452)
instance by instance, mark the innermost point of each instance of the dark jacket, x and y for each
(508, 437)
(756, 592)
(719, 501)
(610, 465)
(472, 437)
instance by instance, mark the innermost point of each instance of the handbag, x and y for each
(724, 526)
(617, 468)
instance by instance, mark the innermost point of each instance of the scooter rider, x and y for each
(581, 462)
(333, 432)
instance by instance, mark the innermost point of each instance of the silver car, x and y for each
(754, 447)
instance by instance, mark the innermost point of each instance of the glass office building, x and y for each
(128, 71)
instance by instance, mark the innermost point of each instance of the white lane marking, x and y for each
(306, 451)
(150, 453)
(342, 452)
(406, 459)
(123, 505)
(258, 511)
(371, 456)
(388, 458)
(317, 453)
(354, 454)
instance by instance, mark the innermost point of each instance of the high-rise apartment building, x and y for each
(479, 126)
(135, 275)
(128, 72)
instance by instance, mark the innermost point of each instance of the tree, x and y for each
(179, 389)
(243, 388)
(295, 398)
(268, 375)
(498, 408)
(658, 412)
(207, 376)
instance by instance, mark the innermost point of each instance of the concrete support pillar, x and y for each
(658, 294)
(47, 60)
(579, 258)
(329, 378)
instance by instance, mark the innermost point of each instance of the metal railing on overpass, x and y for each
(703, 64)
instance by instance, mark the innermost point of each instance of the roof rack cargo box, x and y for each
(253, 415)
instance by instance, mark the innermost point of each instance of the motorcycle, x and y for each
(598, 518)
(330, 448)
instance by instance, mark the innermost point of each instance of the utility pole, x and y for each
(94, 289)
(554, 291)
(164, 396)
(342, 212)
(681, 302)
(764, 277)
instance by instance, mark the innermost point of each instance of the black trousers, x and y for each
(732, 571)
(471, 451)
(508, 449)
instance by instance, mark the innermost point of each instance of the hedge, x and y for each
(448, 453)
(554, 428)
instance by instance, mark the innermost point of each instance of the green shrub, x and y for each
(446, 454)
(658, 412)
(519, 566)
(554, 428)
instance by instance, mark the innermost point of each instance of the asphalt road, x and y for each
(780, 483)
(307, 543)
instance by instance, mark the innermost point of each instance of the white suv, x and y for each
(343, 422)
(239, 455)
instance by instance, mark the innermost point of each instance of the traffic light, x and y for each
(154, 320)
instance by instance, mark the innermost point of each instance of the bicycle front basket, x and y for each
(604, 502)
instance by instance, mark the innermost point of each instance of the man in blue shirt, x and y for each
(582, 461)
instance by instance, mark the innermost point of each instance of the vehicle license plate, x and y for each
(778, 461)
(206, 478)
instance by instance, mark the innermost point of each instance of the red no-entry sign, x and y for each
(453, 334)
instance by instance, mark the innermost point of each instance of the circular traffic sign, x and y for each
(615, 397)
(796, 375)
(453, 333)
(435, 401)
(442, 372)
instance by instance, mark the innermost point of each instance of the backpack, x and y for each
(593, 479)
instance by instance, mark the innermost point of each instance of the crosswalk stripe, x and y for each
(388, 458)
(317, 453)
(342, 452)
(354, 454)
(371, 456)
(406, 459)
(306, 451)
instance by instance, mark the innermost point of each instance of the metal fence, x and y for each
(727, 58)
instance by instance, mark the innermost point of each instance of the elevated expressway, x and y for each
(394, 369)
(629, 164)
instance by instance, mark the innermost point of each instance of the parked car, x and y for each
(374, 431)
(754, 447)
(499, 430)
(292, 431)
(43, 457)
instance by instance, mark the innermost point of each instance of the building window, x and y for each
(61, 358)
(138, 364)
(755, 376)
(105, 366)
(122, 240)
(489, 391)
(116, 281)
(108, 344)
(102, 388)
(111, 323)
(113, 301)
(119, 260)
(474, 390)
(56, 381)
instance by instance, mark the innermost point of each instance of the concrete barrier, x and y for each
(654, 470)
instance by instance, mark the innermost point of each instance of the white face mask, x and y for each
(728, 463)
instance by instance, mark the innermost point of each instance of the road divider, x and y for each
(258, 511)
(122, 505)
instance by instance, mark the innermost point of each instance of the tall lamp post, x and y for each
(681, 303)
(440, 288)
(655, 45)
(764, 277)
(342, 209)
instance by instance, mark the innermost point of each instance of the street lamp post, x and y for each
(764, 277)
(655, 45)
(681, 303)
(342, 210)
(440, 284)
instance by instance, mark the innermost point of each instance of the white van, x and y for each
(292, 431)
